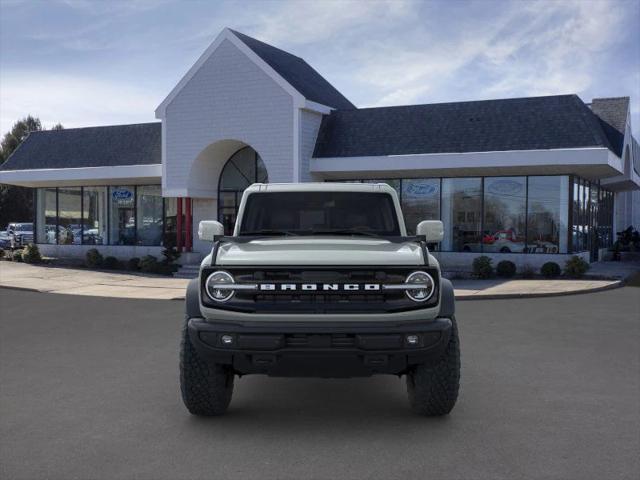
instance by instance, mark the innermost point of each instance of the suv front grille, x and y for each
(337, 301)
(321, 298)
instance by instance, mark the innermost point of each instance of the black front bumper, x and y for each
(319, 350)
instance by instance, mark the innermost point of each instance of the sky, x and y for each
(85, 63)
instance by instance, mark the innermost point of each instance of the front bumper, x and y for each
(320, 349)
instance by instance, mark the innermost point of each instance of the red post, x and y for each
(189, 230)
(179, 224)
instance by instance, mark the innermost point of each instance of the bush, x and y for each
(93, 258)
(482, 267)
(506, 269)
(1, 252)
(31, 254)
(576, 267)
(110, 263)
(527, 271)
(550, 270)
(133, 264)
(17, 256)
(149, 264)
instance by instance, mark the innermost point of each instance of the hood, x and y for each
(320, 251)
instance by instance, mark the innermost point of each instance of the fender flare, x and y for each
(192, 299)
(448, 300)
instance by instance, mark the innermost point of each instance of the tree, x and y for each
(18, 133)
(16, 203)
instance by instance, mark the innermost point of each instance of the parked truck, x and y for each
(320, 280)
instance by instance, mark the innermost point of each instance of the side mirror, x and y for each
(209, 229)
(432, 230)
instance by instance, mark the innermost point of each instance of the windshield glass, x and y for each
(23, 227)
(313, 213)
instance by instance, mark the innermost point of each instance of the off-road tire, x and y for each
(433, 387)
(206, 387)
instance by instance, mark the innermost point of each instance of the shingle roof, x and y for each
(532, 123)
(115, 145)
(612, 113)
(298, 73)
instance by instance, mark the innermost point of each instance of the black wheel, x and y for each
(433, 387)
(206, 388)
(505, 250)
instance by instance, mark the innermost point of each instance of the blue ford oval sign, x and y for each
(422, 189)
(122, 194)
(505, 187)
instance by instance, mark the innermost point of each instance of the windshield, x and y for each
(23, 227)
(313, 213)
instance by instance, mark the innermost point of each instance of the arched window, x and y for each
(244, 168)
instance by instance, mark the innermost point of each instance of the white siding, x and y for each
(229, 97)
(309, 126)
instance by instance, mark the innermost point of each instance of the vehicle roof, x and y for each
(321, 187)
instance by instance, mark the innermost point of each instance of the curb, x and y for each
(506, 296)
(24, 289)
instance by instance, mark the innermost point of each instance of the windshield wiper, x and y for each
(268, 232)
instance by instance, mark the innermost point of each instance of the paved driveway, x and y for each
(89, 389)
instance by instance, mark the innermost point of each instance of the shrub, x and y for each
(31, 254)
(93, 258)
(133, 264)
(482, 267)
(550, 270)
(506, 269)
(17, 256)
(110, 263)
(1, 252)
(527, 271)
(576, 267)
(149, 264)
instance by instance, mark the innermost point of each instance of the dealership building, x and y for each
(526, 179)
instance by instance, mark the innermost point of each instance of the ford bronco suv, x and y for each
(320, 280)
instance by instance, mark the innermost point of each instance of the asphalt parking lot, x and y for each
(89, 389)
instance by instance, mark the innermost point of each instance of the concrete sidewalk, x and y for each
(78, 281)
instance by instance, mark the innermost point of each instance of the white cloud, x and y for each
(314, 21)
(534, 48)
(72, 100)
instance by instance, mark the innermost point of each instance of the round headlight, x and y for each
(426, 286)
(218, 286)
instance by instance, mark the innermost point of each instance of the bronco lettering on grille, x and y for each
(314, 287)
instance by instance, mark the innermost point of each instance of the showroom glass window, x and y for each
(605, 219)
(94, 215)
(420, 201)
(505, 200)
(241, 170)
(149, 215)
(46, 215)
(70, 216)
(547, 214)
(122, 221)
(462, 214)
(170, 220)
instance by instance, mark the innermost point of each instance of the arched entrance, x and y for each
(243, 168)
